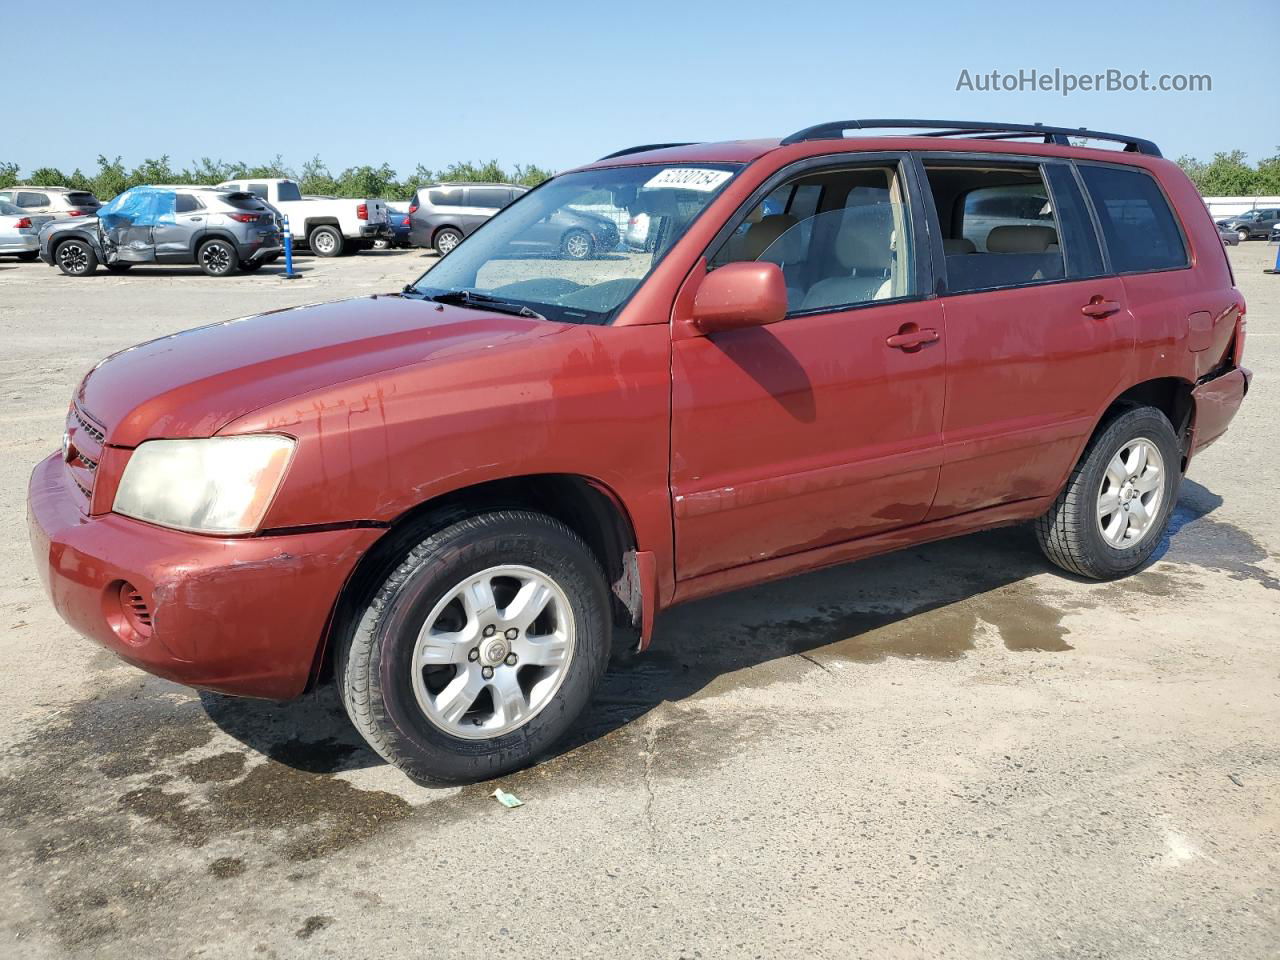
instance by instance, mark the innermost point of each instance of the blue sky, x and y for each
(562, 83)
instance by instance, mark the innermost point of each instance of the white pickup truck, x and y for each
(329, 226)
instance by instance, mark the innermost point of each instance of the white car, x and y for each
(20, 231)
(329, 226)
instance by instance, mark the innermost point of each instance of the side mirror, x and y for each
(738, 295)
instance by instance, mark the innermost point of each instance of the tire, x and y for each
(445, 240)
(118, 267)
(326, 241)
(75, 258)
(218, 257)
(382, 243)
(1243, 234)
(1072, 533)
(389, 706)
(30, 257)
(577, 245)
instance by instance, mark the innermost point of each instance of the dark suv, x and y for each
(454, 499)
(220, 230)
(1254, 225)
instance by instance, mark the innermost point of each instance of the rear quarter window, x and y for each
(1138, 226)
(446, 197)
(81, 199)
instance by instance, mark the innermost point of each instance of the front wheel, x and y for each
(76, 258)
(480, 649)
(218, 258)
(577, 245)
(1243, 234)
(1114, 509)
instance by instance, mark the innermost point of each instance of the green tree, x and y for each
(316, 179)
(8, 174)
(46, 177)
(110, 179)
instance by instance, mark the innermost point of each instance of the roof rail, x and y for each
(642, 148)
(993, 131)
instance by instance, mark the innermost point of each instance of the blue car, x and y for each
(399, 225)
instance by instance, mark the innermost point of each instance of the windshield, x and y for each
(577, 247)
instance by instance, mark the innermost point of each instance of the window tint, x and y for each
(999, 226)
(258, 190)
(31, 199)
(244, 201)
(844, 239)
(1079, 238)
(494, 197)
(1139, 228)
(6, 195)
(286, 191)
(186, 203)
(78, 198)
(446, 197)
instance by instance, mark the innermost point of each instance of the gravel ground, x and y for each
(951, 752)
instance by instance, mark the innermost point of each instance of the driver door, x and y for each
(826, 426)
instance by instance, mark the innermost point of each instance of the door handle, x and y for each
(1099, 307)
(911, 338)
(194, 219)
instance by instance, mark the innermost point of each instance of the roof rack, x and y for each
(642, 148)
(992, 131)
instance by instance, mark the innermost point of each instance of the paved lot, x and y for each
(952, 752)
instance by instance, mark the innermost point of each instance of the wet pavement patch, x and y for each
(224, 868)
(312, 925)
(1196, 539)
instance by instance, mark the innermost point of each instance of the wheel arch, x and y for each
(586, 506)
(435, 231)
(1172, 396)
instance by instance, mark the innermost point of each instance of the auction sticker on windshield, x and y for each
(688, 178)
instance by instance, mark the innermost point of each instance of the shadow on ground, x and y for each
(922, 603)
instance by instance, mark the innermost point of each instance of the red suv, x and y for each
(833, 346)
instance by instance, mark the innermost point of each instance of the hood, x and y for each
(193, 383)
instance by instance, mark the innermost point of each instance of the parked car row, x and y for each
(1254, 225)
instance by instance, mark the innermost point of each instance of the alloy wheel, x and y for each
(216, 258)
(73, 258)
(1131, 494)
(578, 246)
(446, 242)
(493, 652)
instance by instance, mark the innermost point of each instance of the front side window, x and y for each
(842, 238)
(999, 226)
(1139, 228)
(557, 251)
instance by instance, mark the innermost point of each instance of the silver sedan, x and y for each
(20, 231)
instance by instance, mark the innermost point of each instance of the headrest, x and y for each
(761, 239)
(958, 245)
(1020, 239)
(865, 240)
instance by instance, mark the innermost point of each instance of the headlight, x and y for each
(219, 485)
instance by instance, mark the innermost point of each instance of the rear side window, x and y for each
(446, 197)
(258, 190)
(286, 191)
(1000, 227)
(1139, 228)
(493, 197)
(186, 203)
(31, 199)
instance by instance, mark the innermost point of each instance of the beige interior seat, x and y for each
(868, 254)
(954, 246)
(776, 239)
(1013, 238)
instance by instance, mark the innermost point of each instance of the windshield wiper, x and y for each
(482, 301)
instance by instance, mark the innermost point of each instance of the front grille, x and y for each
(84, 443)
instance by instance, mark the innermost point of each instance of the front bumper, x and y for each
(244, 616)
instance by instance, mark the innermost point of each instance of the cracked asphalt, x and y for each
(954, 751)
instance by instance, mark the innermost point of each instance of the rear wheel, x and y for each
(325, 242)
(76, 258)
(446, 239)
(480, 649)
(577, 245)
(218, 258)
(1116, 505)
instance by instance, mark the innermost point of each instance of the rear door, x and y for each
(1039, 337)
(824, 427)
(176, 242)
